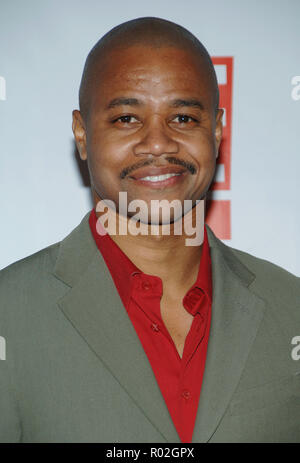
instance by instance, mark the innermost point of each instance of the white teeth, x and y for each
(158, 178)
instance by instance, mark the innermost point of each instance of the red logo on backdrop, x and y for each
(218, 214)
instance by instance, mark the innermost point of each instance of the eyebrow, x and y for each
(123, 102)
(192, 102)
(177, 103)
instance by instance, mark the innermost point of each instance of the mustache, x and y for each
(171, 160)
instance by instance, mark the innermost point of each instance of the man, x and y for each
(139, 337)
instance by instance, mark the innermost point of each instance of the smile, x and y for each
(161, 181)
(158, 178)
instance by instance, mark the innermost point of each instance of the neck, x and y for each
(158, 248)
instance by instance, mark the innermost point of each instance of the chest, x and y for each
(177, 321)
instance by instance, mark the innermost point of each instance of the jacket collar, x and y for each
(106, 327)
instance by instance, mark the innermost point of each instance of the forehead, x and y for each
(150, 72)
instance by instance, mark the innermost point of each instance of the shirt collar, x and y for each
(204, 277)
(122, 268)
(119, 265)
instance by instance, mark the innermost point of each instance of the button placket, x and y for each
(155, 327)
(186, 394)
(146, 285)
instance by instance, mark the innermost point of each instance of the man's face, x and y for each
(152, 129)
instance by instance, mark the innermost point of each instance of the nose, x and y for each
(155, 140)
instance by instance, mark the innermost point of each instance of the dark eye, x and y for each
(183, 118)
(125, 119)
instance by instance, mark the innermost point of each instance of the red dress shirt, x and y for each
(179, 379)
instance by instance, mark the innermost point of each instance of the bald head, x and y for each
(148, 32)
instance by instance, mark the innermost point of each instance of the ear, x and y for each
(78, 128)
(219, 129)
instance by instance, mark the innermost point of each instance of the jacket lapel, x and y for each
(95, 309)
(93, 306)
(236, 316)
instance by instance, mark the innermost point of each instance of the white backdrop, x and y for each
(43, 46)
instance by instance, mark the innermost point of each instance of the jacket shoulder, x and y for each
(37, 273)
(278, 287)
(29, 270)
(266, 271)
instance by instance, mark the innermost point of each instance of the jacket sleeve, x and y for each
(10, 424)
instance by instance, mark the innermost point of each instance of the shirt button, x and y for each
(155, 327)
(146, 285)
(186, 394)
